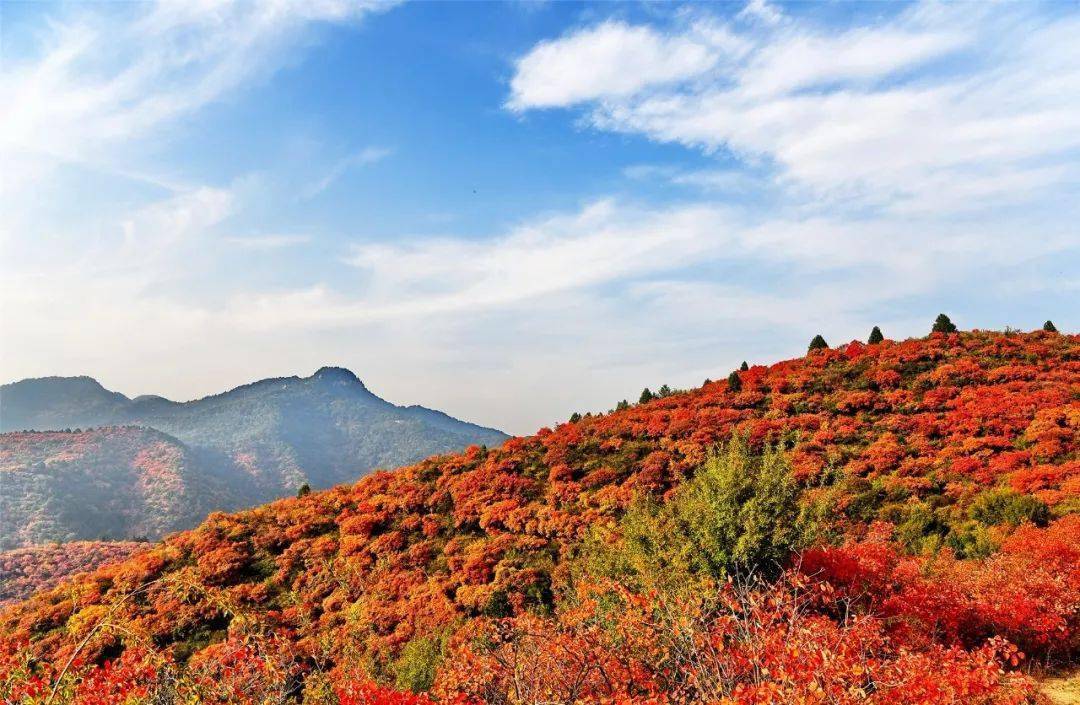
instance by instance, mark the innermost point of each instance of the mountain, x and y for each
(884, 524)
(55, 403)
(262, 440)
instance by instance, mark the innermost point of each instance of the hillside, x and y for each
(935, 483)
(28, 570)
(246, 446)
(115, 482)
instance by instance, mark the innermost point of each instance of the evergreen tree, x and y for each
(1049, 327)
(818, 343)
(646, 396)
(304, 491)
(622, 405)
(744, 367)
(734, 382)
(664, 391)
(575, 417)
(875, 336)
(942, 324)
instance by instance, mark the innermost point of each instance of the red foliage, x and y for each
(28, 570)
(358, 571)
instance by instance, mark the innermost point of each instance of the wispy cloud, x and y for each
(365, 157)
(854, 115)
(614, 60)
(267, 242)
(103, 78)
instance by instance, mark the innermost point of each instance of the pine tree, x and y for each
(575, 417)
(304, 491)
(664, 391)
(942, 324)
(875, 336)
(744, 367)
(818, 343)
(622, 405)
(1049, 327)
(646, 396)
(734, 382)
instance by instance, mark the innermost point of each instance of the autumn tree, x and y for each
(942, 324)
(875, 336)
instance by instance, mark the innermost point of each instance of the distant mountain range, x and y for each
(148, 466)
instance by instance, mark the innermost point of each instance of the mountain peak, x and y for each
(337, 374)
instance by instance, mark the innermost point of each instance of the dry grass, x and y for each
(1064, 690)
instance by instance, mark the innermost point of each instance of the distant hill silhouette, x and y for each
(158, 465)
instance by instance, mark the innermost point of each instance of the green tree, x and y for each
(575, 417)
(942, 324)
(744, 367)
(622, 405)
(734, 382)
(739, 512)
(818, 343)
(875, 336)
(304, 491)
(664, 391)
(1049, 327)
(646, 396)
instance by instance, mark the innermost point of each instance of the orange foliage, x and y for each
(479, 539)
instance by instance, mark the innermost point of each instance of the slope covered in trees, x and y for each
(885, 523)
(116, 482)
(24, 571)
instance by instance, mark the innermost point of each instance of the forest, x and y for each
(883, 522)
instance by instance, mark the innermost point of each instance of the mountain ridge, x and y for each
(250, 444)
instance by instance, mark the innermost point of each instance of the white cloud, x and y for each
(613, 60)
(109, 78)
(848, 115)
(760, 11)
(162, 224)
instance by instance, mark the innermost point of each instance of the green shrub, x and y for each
(920, 530)
(971, 540)
(1005, 506)
(415, 668)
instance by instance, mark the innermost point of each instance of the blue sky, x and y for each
(514, 211)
